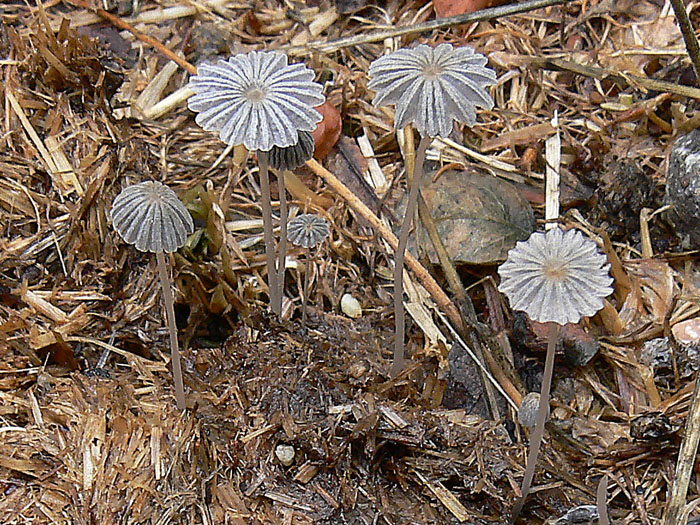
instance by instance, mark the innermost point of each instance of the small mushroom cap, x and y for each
(558, 277)
(527, 413)
(307, 230)
(150, 216)
(432, 87)
(295, 156)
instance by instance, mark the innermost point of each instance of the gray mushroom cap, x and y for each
(151, 217)
(256, 99)
(307, 230)
(558, 276)
(432, 87)
(293, 157)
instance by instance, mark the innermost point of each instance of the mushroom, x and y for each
(282, 159)
(308, 231)
(259, 100)
(555, 277)
(431, 88)
(151, 217)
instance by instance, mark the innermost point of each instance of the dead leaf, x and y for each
(479, 217)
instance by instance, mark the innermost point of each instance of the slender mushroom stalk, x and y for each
(399, 315)
(170, 315)
(268, 233)
(305, 299)
(542, 411)
(151, 217)
(555, 277)
(259, 100)
(601, 495)
(282, 248)
(431, 88)
(281, 160)
(308, 231)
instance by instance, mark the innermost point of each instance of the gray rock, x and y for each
(683, 188)
(585, 514)
(658, 353)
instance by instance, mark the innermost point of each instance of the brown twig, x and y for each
(620, 78)
(691, 41)
(433, 25)
(433, 288)
(121, 24)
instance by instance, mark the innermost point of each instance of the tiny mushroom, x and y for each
(527, 412)
(307, 230)
(261, 101)
(431, 87)
(151, 217)
(555, 277)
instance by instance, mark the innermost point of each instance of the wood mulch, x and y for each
(292, 425)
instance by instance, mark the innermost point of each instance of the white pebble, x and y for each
(350, 306)
(285, 454)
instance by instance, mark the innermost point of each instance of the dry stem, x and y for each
(686, 460)
(433, 25)
(691, 41)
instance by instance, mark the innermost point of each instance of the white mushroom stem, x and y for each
(399, 316)
(272, 281)
(601, 496)
(282, 255)
(538, 432)
(305, 300)
(170, 317)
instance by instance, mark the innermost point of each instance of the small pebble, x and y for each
(350, 306)
(357, 369)
(285, 454)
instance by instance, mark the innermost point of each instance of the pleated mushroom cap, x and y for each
(558, 276)
(151, 217)
(256, 99)
(307, 230)
(295, 156)
(432, 86)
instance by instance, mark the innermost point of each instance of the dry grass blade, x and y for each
(685, 462)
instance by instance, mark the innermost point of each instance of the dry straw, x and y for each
(151, 217)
